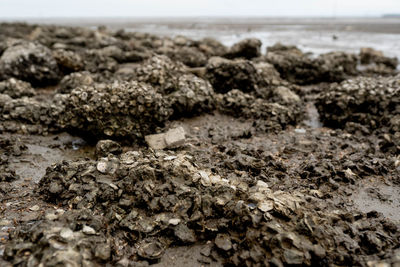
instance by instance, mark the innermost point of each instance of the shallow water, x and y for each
(314, 35)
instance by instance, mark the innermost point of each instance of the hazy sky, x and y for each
(165, 8)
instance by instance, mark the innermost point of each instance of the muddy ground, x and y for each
(287, 159)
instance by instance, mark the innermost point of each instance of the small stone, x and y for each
(266, 206)
(67, 234)
(223, 241)
(174, 221)
(156, 141)
(300, 130)
(88, 230)
(34, 208)
(185, 234)
(292, 256)
(107, 165)
(175, 137)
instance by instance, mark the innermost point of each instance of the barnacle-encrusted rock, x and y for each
(189, 55)
(30, 62)
(369, 55)
(75, 80)
(28, 115)
(247, 48)
(372, 102)
(211, 47)
(373, 61)
(148, 193)
(16, 88)
(68, 61)
(225, 75)
(63, 242)
(105, 147)
(187, 94)
(298, 68)
(269, 116)
(122, 110)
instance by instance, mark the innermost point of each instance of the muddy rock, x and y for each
(187, 94)
(16, 88)
(30, 62)
(68, 61)
(190, 56)
(371, 102)
(105, 147)
(247, 48)
(299, 68)
(74, 80)
(122, 110)
(211, 47)
(63, 242)
(226, 75)
(269, 116)
(369, 55)
(29, 115)
(375, 62)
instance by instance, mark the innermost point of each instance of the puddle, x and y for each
(379, 197)
(312, 116)
(43, 151)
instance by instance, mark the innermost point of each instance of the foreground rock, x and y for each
(165, 199)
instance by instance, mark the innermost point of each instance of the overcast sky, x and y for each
(173, 8)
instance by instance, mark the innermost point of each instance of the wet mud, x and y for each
(129, 149)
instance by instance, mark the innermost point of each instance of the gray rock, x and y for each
(30, 62)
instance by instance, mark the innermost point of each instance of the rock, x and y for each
(107, 165)
(185, 234)
(190, 56)
(226, 75)
(68, 61)
(74, 80)
(175, 137)
(156, 141)
(299, 68)
(186, 93)
(286, 95)
(293, 257)
(211, 47)
(370, 102)
(88, 230)
(31, 62)
(16, 88)
(34, 208)
(247, 48)
(122, 110)
(223, 241)
(270, 116)
(105, 147)
(172, 138)
(174, 221)
(369, 55)
(150, 250)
